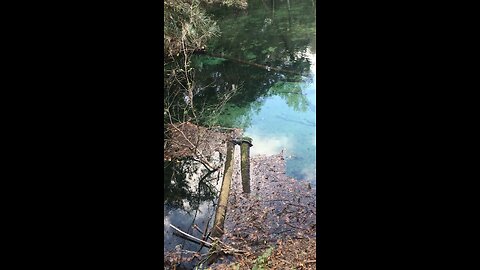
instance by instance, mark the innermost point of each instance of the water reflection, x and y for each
(262, 48)
(292, 94)
(271, 59)
(190, 192)
(268, 145)
(187, 183)
(271, 52)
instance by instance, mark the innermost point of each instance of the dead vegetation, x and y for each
(279, 214)
(186, 139)
(280, 211)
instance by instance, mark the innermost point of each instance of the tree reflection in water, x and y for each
(190, 191)
(282, 40)
(187, 183)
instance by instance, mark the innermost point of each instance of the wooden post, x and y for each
(245, 163)
(217, 230)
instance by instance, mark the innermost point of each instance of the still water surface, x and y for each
(275, 108)
(269, 56)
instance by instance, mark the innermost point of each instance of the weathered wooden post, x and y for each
(246, 143)
(217, 230)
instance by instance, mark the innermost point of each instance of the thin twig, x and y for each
(295, 226)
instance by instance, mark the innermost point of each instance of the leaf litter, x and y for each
(280, 212)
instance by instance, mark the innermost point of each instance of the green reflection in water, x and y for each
(275, 107)
(252, 40)
(292, 94)
(284, 40)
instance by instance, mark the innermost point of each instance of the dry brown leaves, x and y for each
(287, 254)
(279, 212)
(188, 140)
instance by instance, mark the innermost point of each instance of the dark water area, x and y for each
(190, 193)
(267, 54)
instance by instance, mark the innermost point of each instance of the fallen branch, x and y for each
(252, 64)
(223, 247)
(298, 205)
(191, 238)
(204, 234)
(300, 228)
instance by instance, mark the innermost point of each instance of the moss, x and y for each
(262, 260)
(248, 140)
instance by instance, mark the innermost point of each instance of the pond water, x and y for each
(267, 53)
(276, 100)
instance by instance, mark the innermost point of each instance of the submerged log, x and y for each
(252, 64)
(217, 230)
(245, 163)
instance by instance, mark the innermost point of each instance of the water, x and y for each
(278, 127)
(276, 109)
(269, 57)
(190, 193)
